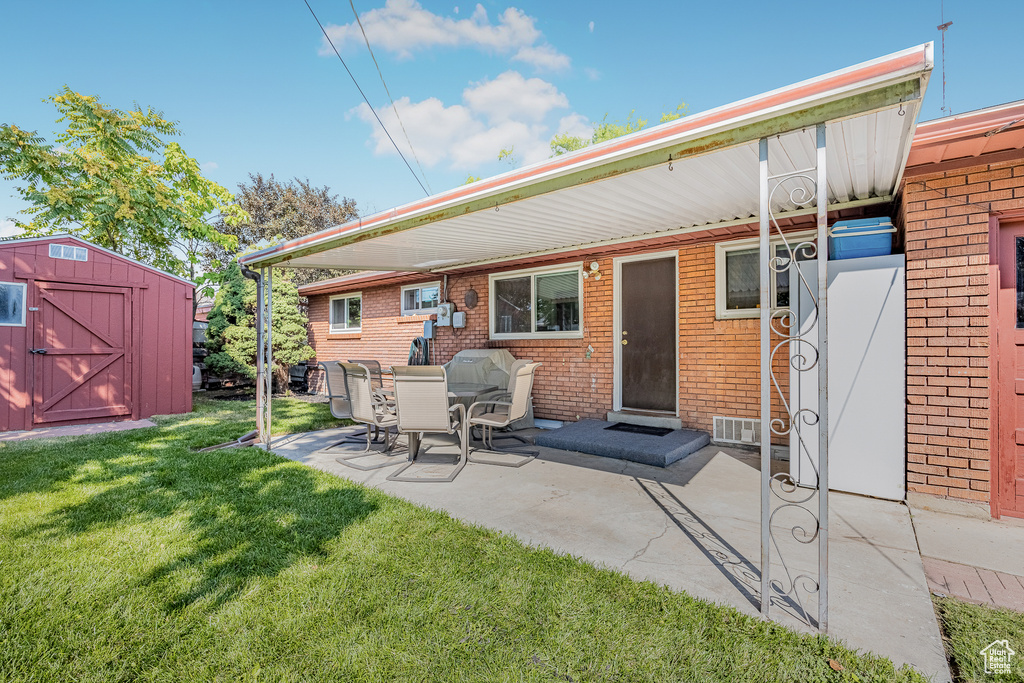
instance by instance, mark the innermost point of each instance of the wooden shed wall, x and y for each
(161, 329)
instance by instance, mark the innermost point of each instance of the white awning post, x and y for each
(805, 351)
(766, 396)
(822, 201)
(264, 355)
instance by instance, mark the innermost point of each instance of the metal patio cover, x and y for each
(697, 173)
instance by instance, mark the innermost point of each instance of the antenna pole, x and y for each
(943, 27)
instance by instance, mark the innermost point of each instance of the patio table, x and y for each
(469, 389)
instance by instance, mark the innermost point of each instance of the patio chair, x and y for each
(421, 400)
(370, 408)
(497, 414)
(376, 373)
(337, 393)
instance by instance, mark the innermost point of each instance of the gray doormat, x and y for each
(592, 436)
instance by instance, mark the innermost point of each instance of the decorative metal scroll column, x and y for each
(264, 356)
(783, 330)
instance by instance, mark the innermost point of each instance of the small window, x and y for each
(69, 252)
(542, 303)
(421, 299)
(346, 313)
(12, 304)
(738, 275)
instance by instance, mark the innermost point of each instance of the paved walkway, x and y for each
(75, 430)
(978, 560)
(974, 584)
(694, 526)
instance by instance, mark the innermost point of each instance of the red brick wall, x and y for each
(718, 359)
(946, 218)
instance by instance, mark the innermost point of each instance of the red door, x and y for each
(1008, 475)
(82, 352)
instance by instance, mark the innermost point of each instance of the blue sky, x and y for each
(255, 89)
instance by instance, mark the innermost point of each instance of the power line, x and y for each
(390, 99)
(331, 42)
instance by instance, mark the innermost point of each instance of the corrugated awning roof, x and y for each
(691, 174)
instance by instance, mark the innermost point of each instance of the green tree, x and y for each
(231, 336)
(110, 178)
(282, 211)
(563, 143)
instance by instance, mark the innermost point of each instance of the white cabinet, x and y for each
(866, 378)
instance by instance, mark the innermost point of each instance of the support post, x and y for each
(270, 349)
(766, 402)
(822, 202)
(261, 413)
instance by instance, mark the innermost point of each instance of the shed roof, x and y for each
(696, 173)
(17, 241)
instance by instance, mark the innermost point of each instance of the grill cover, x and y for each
(485, 366)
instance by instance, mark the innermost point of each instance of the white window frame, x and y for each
(724, 248)
(24, 303)
(532, 273)
(332, 329)
(421, 311)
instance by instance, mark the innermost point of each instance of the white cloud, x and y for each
(8, 228)
(511, 97)
(456, 10)
(543, 57)
(509, 111)
(576, 125)
(209, 166)
(403, 27)
(592, 74)
(591, 26)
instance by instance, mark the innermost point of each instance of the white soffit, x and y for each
(865, 156)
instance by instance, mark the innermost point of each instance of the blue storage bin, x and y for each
(860, 238)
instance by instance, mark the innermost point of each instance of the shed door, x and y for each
(1008, 480)
(648, 336)
(81, 352)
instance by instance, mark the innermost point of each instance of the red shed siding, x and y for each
(160, 339)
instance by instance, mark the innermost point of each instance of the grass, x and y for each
(969, 628)
(131, 557)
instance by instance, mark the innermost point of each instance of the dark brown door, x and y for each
(82, 353)
(1007, 485)
(648, 338)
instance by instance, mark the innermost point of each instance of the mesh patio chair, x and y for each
(376, 373)
(337, 393)
(421, 400)
(370, 408)
(497, 414)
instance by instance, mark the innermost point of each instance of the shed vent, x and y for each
(71, 253)
(737, 430)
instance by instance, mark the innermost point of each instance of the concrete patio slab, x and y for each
(693, 526)
(75, 430)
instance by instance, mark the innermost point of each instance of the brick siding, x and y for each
(718, 359)
(946, 218)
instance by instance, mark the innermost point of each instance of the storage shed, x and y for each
(88, 335)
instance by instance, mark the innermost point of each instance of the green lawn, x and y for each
(131, 557)
(969, 628)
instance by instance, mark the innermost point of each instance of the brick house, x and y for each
(963, 211)
(683, 247)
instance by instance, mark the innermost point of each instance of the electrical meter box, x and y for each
(428, 329)
(459, 319)
(444, 315)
